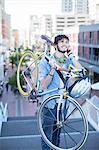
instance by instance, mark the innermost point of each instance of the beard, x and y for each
(62, 51)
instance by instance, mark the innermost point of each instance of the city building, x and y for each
(84, 41)
(1, 43)
(75, 6)
(15, 34)
(72, 33)
(62, 22)
(34, 28)
(94, 11)
(39, 25)
(88, 49)
(73, 14)
(6, 29)
(68, 6)
(0, 27)
(46, 24)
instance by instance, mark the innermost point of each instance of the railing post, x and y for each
(3, 112)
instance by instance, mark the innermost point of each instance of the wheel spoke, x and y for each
(50, 125)
(65, 138)
(70, 113)
(51, 118)
(70, 136)
(67, 125)
(73, 121)
(52, 113)
(52, 133)
(55, 130)
(73, 128)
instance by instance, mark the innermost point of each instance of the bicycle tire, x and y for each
(43, 134)
(21, 90)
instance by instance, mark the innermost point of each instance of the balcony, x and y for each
(93, 59)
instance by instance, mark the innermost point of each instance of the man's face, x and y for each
(63, 45)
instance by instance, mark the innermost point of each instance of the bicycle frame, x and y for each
(46, 54)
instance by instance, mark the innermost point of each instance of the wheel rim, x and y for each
(73, 143)
(21, 90)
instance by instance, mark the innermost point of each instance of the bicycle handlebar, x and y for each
(74, 72)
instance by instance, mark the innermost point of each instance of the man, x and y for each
(50, 79)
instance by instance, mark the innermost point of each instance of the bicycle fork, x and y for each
(60, 111)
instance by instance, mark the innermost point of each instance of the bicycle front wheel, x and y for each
(27, 73)
(67, 132)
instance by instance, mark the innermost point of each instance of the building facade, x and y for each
(33, 28)
(68, 6)
(88, 49)
(75, 6)
(6, 30)
(94, 11)
(46, 24)
(15, 34)
(62, 22)
(39, 25)
(1, 43)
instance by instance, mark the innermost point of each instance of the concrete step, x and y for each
(92, 142)
(21, 133)
(21, 118)
(29, 126)
(19, 127)
(33, 142)
(27, 142)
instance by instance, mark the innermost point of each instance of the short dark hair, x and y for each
(60, 37)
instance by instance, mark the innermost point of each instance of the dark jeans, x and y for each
(49, 127)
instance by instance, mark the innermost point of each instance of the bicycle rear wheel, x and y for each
(28, 73)
(73, 128)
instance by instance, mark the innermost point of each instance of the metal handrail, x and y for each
(92, 104)
(3, 112)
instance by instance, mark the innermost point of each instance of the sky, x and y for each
(20, 10)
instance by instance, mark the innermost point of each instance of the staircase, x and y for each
(21, 133)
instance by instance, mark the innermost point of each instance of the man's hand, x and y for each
(62, 69)
(69, 49)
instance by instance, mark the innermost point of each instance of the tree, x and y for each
(13, 82)
(14, 60)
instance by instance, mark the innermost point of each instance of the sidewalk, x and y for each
(17, 105)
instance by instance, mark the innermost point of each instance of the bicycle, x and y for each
(67, 107)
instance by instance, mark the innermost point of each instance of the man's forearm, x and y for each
(47, 80)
